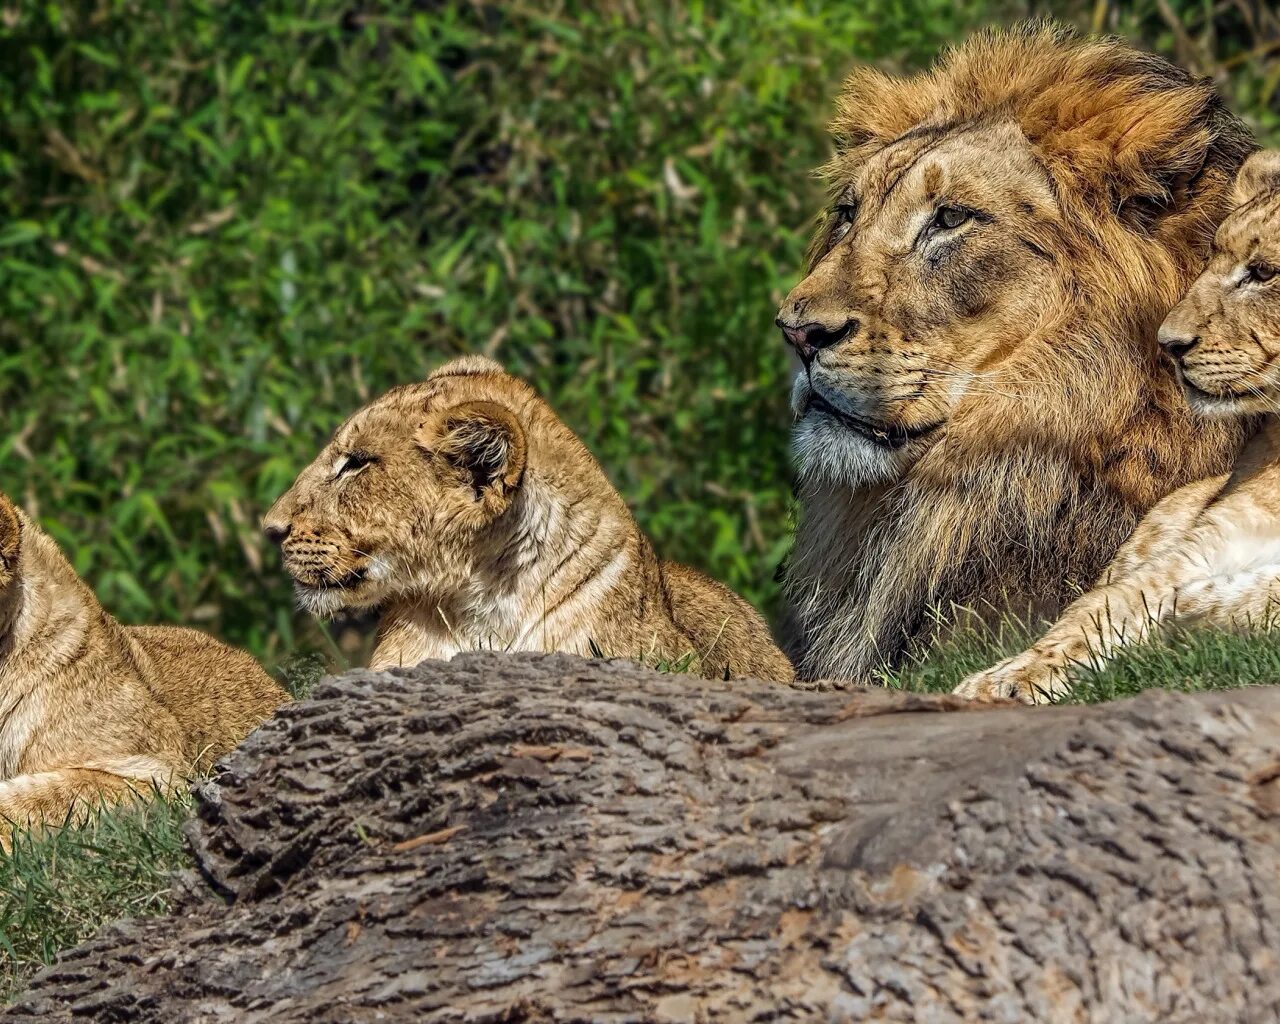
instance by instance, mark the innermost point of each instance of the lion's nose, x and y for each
(1176, 343)
(276, 532)
(809, 339)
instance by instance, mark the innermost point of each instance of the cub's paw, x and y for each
(1026, 684)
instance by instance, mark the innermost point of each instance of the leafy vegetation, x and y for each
(226, 225)
(229, 226)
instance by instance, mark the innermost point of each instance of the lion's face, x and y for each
(394, 501)
(1224, 336)
(939, 254)
(983, 412)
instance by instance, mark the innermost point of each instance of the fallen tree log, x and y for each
(540, 838)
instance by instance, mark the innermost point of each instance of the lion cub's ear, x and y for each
(484, 445)
(467, 366)
(10, 538)
(1259, 176)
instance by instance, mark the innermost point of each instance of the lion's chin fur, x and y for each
(330, 603)
(827, 452)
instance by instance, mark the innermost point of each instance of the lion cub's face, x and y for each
(1224, 335)
(10, 544)
(939, 254)
(393, 503)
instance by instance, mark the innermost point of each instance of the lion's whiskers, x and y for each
(983, 384)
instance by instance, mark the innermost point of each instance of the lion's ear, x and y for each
(483, 444)
(1175, 149)
(1259, 176)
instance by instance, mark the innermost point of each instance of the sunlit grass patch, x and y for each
(940, 668)
(1186, 660)
(57, 887)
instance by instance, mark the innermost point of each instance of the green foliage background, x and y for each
(225, 225)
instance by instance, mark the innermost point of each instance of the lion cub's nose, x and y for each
(276, 532)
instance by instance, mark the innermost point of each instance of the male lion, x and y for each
(92, 712)
(472, 517)
(1209, 553)
(983, 415)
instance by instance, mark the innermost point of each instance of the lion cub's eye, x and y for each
(353, 463)
(1261, 272)
(950, 217)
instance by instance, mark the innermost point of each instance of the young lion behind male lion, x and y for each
(92, 712)
(467, 512)
(1209, 553)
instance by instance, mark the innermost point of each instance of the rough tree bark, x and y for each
(540, 838)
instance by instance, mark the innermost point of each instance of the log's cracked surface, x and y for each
(540, 838)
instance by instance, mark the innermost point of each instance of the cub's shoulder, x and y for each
(729, 635)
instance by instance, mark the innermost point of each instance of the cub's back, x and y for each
(724, 629)
(217, 693)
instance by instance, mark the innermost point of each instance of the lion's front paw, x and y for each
(1012, 680)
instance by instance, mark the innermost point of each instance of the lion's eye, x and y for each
(353, 463)
(950, 217)
(844, 214)
(1261, 272)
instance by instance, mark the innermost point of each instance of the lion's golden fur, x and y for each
(1209, 553)
(1023, 346)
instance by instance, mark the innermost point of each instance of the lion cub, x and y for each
(1210, 552)
(472, 517)
(91, 711)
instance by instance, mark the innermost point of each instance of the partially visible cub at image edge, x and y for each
(471, 517)
(92, 712)
(1209, 553)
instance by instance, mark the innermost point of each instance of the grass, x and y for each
(58, 887)
(225, 226)
(1187, 661)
